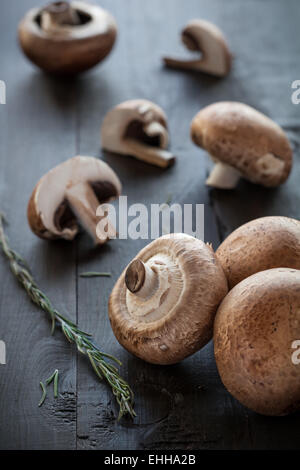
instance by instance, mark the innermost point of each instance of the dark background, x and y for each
(46, 121)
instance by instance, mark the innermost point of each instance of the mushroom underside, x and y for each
(65, 217)
(147, 142)
(136, 130)
(82, 16)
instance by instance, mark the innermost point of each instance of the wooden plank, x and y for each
(37, 132)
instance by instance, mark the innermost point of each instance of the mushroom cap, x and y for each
(75, 48)
(130, 119)
(254, 329)
(177, 320)
(49, 214)
(264, 243)
(247, 140)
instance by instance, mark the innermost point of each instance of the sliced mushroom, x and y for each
(67, 38)
(205, 38)
(163, 306)
(254, 330)
(265, 243)
(137, 128)
(243, 143)
(69, 192)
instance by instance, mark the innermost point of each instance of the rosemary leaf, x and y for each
(82, 340)
(44, 394)
(169, 199)
(48, 381)
(55, 385)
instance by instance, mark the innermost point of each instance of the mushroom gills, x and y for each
(64, 217)
(223, 176)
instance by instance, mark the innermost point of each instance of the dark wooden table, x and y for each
(46, 121)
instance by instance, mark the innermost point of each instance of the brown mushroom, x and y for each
(137, 128)
(67, 38)
(163, 306)
(207, 40)
(70, 192)
(265, 243)
(254, 331)
(243, 143)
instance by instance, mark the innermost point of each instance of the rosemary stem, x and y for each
(82, 340)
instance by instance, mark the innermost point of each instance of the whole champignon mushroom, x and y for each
(163, 306)
(208, 40)
(70, 191)
(137, 128)
(255, 327)
(265, 243)
(243, 143)
(67, 38)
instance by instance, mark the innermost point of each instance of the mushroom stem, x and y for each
(140, 279)
(84, 204)
(57, 14)
(157, 129)
(223, 176)
(182, 64)
(155, 156)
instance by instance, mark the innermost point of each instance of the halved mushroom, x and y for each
(265, 243)
(208, 40)
(243, 143)
(163, 306)
(71, 192)
(254, 330)
(67, 38)
(137, 128)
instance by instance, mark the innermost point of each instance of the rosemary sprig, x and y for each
(83, 341)
(95, 274)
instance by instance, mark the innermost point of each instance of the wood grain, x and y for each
(46, 121)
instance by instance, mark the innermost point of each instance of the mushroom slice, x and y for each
(138, 128)
(243, 143)
(265, 243)
(205, 38)
(254, 331)
(70, 191)
(67, 38)
(163, 306)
